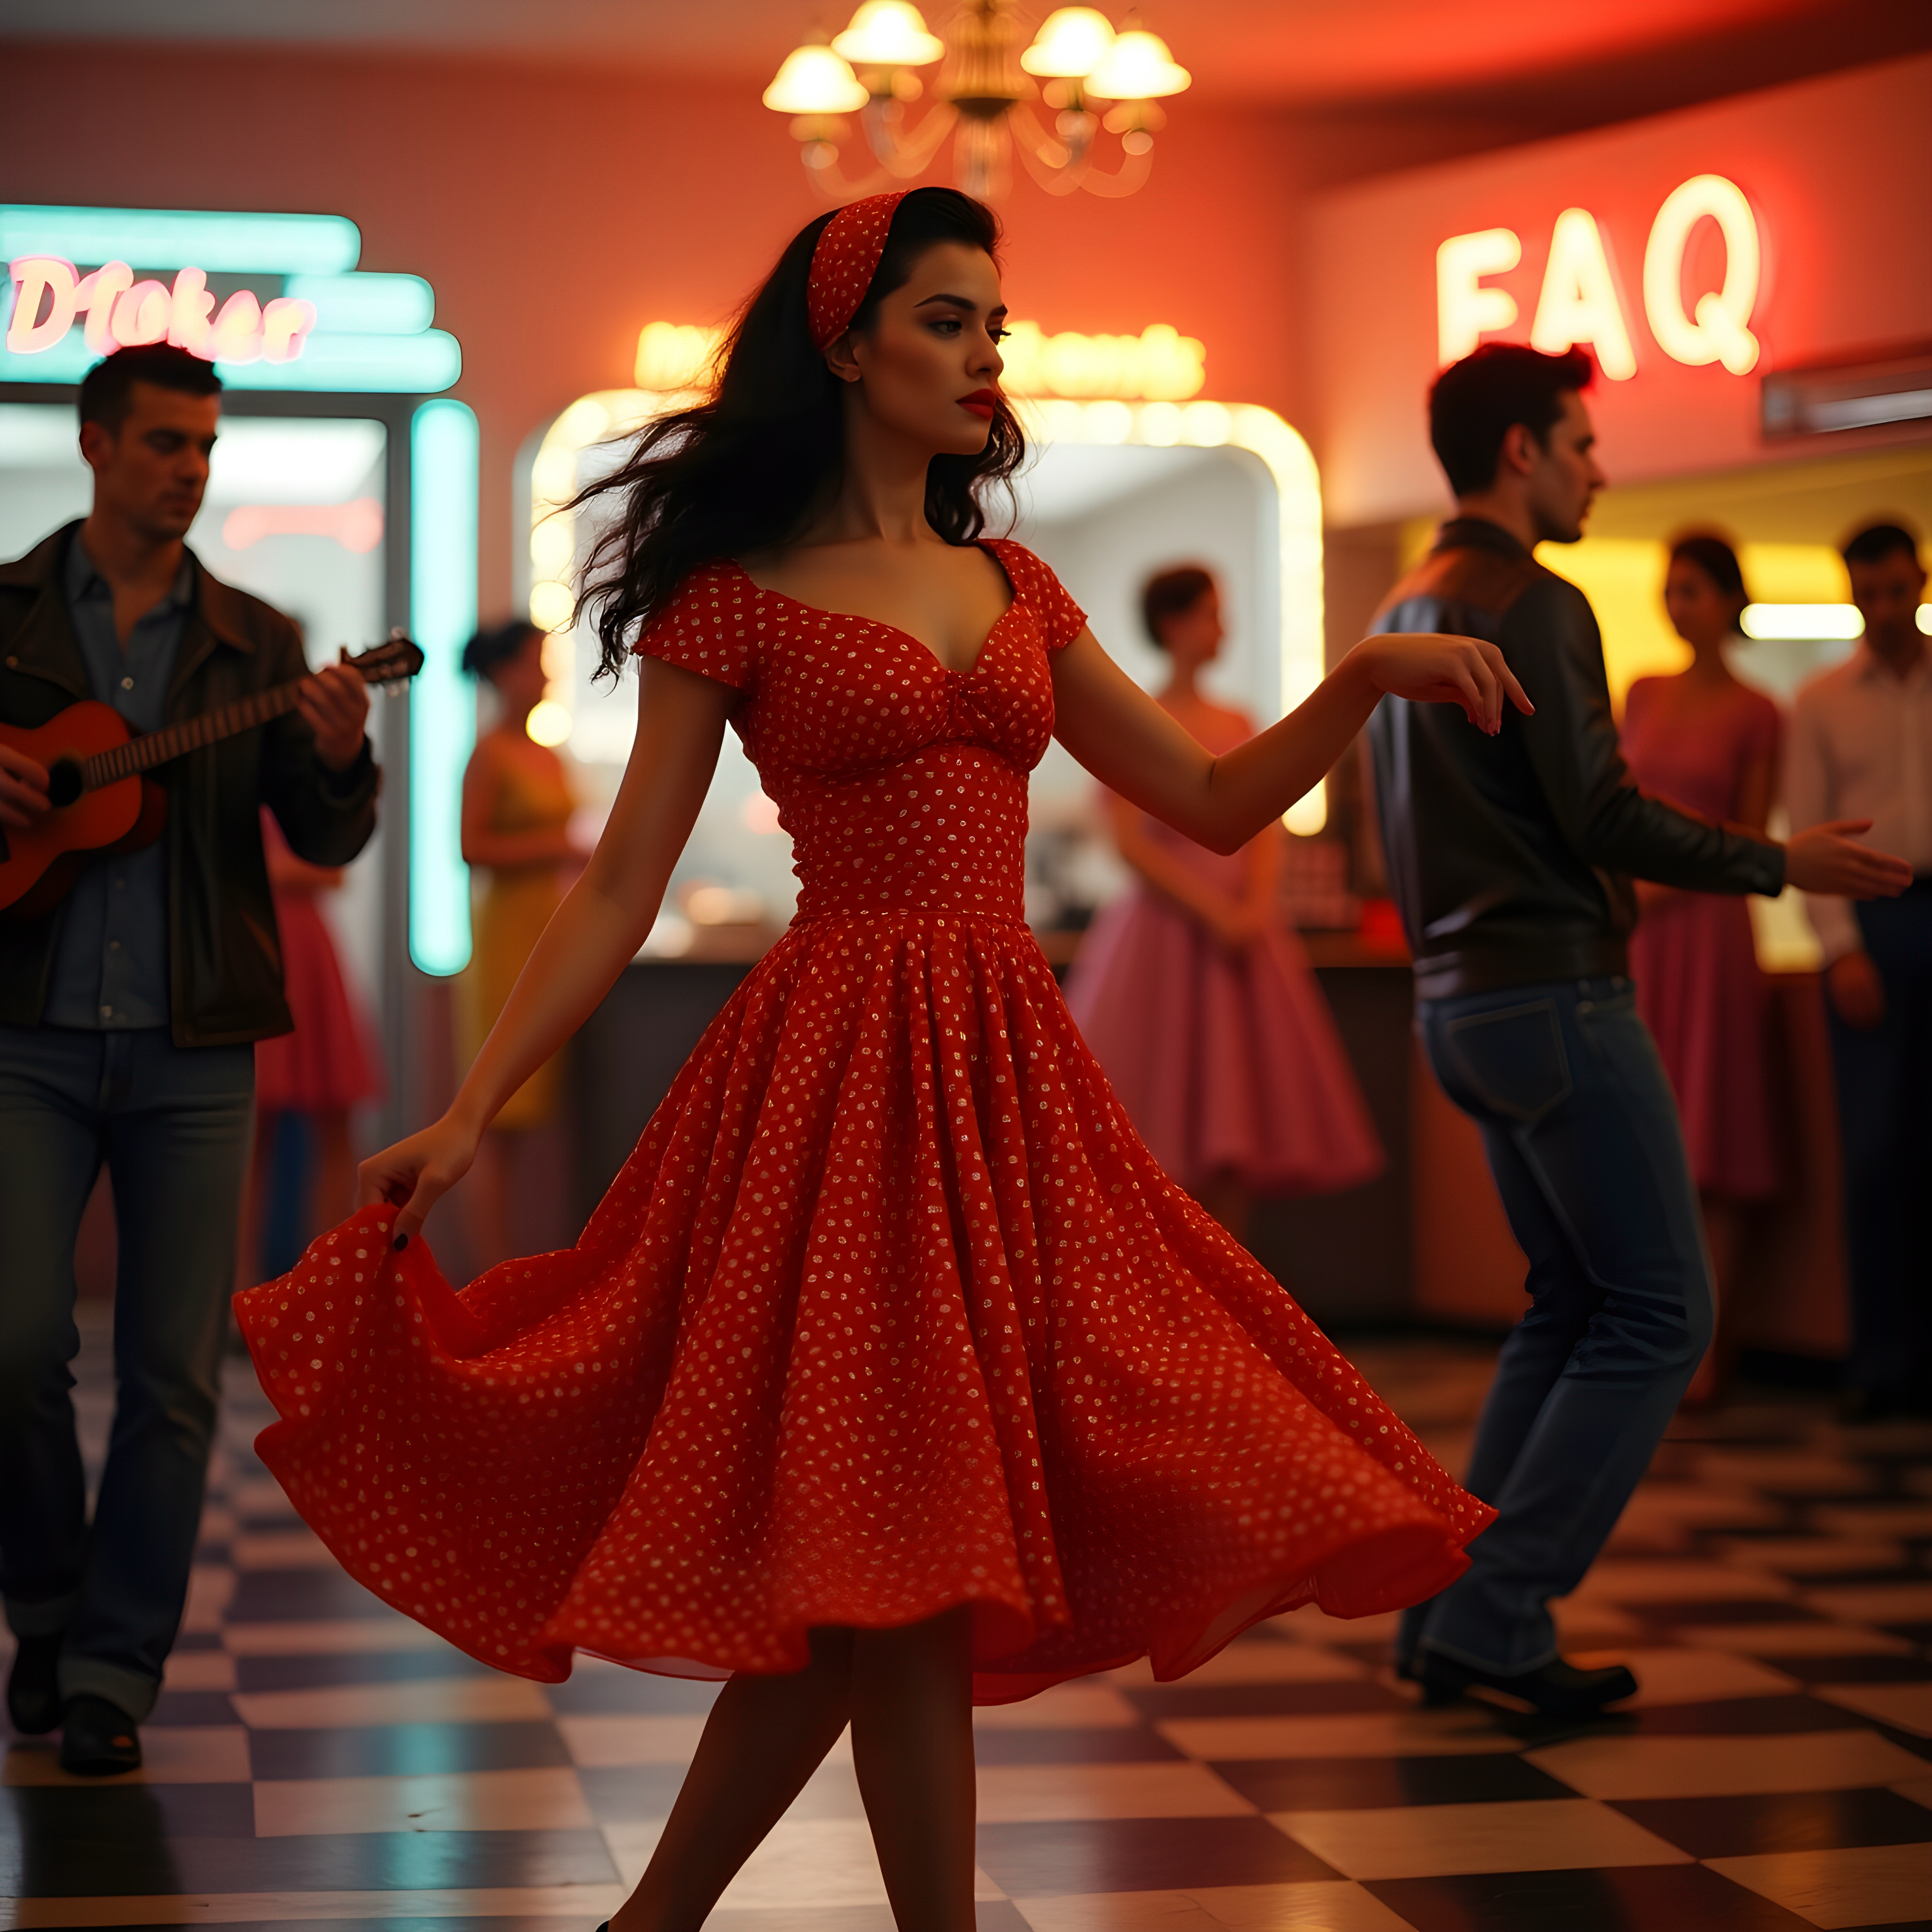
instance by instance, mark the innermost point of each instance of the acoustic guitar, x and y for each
(103, 799)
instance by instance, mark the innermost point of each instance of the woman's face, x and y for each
(928, 368)
(1701, 614)
(1192, 636)
(519, 679)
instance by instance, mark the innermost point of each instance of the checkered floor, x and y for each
(318, 1761)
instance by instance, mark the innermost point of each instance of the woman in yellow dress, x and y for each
(517, 804)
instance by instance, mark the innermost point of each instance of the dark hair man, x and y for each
(1511, 859)
(128, 1016)
(1862, 747)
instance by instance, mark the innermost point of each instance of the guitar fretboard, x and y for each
(157, 747)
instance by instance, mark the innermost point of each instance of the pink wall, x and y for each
(555, 211)
(1839, 171)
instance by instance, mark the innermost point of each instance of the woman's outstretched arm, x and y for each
(1135, 748)
(592, 937)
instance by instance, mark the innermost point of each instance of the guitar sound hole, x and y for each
(63, 781)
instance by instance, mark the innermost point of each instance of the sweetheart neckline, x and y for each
(897, 630)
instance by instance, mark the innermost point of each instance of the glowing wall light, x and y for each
(1809, 621)
(442, 709)
(271, 244)
(366, 305)
(1161, 424)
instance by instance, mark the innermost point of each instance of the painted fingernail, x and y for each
(400, 1242)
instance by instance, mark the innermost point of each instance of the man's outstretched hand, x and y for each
(1828, 859)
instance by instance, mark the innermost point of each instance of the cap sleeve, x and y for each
(709, 627)
(1061, 620)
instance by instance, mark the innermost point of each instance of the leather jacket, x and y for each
(224, 952)
(1510, 858)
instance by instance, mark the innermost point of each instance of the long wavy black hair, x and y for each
(745, 469)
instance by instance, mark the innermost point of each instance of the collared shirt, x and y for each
(110, 964)
(1861, 748)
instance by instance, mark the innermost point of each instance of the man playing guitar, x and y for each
(128, 1012)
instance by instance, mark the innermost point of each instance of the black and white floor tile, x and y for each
(319, 1763)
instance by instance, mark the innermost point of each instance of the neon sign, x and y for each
(1160, 364)
(1580, 302)
(123, 314)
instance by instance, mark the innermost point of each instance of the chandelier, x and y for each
(1089, 75)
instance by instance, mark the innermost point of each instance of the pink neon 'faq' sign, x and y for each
(123, 313)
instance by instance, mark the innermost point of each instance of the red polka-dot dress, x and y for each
(889, 1311)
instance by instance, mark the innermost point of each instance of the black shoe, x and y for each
(33, 1694)
(1556, 1689)
(98, 1738)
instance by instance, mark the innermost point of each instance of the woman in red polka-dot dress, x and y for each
(892, 1373)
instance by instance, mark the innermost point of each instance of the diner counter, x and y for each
(1426, 1240)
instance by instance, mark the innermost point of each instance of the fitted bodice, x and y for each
(902, 784)
(1697, 755)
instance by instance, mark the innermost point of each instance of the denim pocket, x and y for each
(1513, 1060)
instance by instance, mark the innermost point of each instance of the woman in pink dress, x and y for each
(324, 1069)
(892, 1371)
(1703, 739)
(1194, 993)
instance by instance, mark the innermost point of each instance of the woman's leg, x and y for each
(912, 1746)
(766, 1736)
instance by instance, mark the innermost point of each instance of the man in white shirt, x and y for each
(1861, 748)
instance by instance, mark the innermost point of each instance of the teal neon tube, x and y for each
(148, 238)
(443, 491)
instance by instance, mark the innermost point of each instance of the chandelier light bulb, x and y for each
(1138, 68)
(888, 33)
(1070, 44)
(814, 80)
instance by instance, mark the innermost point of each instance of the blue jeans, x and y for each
(1582, 1136)
(1884, 1127)
(173, 1125)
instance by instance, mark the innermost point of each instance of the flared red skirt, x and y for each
(889, 1311)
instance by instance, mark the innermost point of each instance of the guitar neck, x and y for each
(157, 748)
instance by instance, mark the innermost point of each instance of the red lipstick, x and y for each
(984, 403)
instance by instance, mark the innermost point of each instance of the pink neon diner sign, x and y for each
(122, 312)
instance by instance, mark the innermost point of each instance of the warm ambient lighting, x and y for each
(1578, 302)
(1070, 44)
(1806, 621)
(983, 90)
(1160, 364)
(888, 33)
(1160, 425)
(1139, 67)
(549, 722)
(814, 81)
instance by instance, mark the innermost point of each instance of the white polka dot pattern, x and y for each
(889, 1309)
(845, 259)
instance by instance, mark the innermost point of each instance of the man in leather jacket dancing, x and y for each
(1510, 859)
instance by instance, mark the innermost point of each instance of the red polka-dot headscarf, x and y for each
(844, 261)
